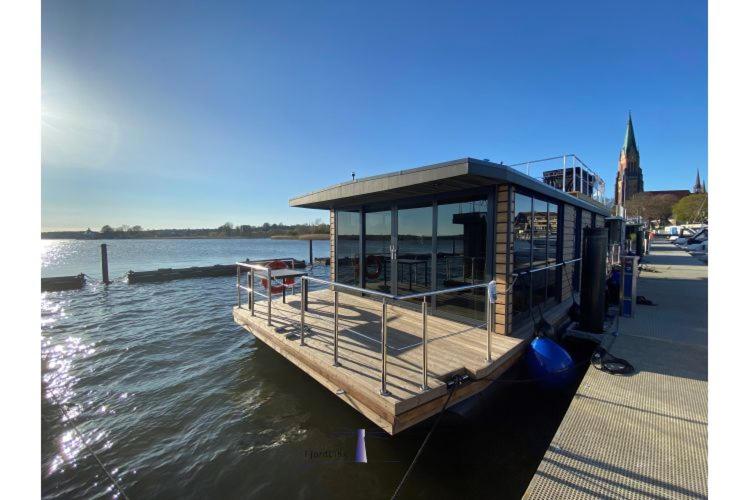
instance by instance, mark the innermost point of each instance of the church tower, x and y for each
(629, 174)
(698, 187)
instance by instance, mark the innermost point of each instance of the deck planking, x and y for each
(453, 348)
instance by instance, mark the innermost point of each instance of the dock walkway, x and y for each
(643, 435)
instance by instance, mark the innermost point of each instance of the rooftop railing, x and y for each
(567, 173)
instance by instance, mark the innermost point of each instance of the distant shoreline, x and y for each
(321, 237)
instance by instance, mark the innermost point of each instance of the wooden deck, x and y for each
(453, 348)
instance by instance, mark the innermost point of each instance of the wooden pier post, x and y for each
(105, 265)
(311, 255)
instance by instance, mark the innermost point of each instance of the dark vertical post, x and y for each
(311, 255)
(105, 265)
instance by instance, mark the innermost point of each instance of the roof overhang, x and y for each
(457, 175)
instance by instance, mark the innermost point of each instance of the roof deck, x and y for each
(453, 348)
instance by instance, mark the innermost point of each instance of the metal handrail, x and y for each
(598, 188)
(250, 288)
(335, 286)
(491, 294)
(551, 266)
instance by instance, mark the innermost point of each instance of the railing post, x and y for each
(574, 175)
(565, 167)
(303, 295)
(424, 344)
(270, 294)
(384, 349)
(251, 293)
(239, 291)
(489, 324)
(336, 328)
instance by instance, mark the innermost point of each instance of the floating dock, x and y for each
(61, 283)
(169, 274)
(643, 435)
(455, 348)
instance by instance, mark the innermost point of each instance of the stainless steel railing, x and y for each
(385, 297)
(250, 288)
(491, 294)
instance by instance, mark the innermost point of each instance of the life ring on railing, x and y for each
(277, 264)
(371, 260)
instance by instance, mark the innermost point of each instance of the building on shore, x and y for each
(629, 181)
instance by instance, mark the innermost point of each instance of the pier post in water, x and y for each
(311, 255)
(105, 265)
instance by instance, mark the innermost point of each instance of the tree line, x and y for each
(660, 208)
(226, 230)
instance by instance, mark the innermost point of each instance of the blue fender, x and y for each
(549, 362)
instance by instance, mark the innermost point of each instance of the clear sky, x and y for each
(191, 114)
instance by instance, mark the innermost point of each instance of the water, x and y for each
(178, 401)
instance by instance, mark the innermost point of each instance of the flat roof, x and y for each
(456, 175)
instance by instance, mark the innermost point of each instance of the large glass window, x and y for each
(414, 250)
(522, 222)
(347, 247)
(539, 252)
(535, 228)
(378, 250)
(461, 255)
(552, 274)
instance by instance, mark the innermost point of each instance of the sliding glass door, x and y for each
(378, 244)
(413, 265)
(422, 246)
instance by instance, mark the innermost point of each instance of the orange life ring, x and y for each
(369, 261)
(378, 262)
(277, 264)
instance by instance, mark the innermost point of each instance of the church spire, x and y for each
(629, 143)
(697, 187)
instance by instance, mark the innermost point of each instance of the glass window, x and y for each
(347, 247)
(461, 255)
(414, 250)
(535, 246)
(539, 252)
(378, 250)
(552, 274)
(522, 222)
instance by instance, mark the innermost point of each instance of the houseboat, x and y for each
(438, 274)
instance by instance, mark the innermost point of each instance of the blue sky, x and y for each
(191, 114)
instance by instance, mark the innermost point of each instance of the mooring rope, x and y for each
(65, 415)
(456, 382)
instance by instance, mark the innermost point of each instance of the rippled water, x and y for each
(178, 401)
